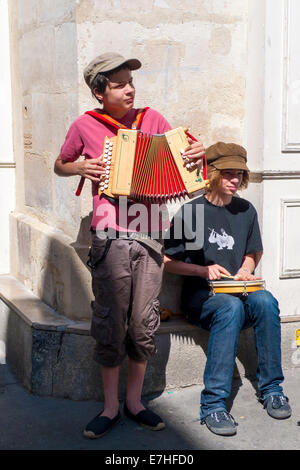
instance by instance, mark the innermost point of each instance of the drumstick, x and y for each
(228, 277)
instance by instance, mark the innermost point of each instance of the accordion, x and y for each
(149, 167)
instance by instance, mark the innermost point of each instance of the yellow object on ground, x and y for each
(165, 314)
(298, 337)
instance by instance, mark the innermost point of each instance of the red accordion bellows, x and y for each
(155, 174)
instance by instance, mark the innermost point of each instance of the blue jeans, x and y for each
(225, 316)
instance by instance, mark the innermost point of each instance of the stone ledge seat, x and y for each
(52, 355)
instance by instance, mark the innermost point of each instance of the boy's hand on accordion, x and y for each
(92, 168)
(194, 152)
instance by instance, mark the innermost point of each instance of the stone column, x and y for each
(7, 164)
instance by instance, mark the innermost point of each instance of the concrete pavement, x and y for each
(30, 422)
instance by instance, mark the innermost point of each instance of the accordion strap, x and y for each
(107, 119)
(139, 117)
(204, 156)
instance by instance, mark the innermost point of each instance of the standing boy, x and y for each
(126, 273)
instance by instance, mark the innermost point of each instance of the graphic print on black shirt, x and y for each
(223, 240)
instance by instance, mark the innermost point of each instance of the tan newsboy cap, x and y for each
(227, 156)
(105, 63)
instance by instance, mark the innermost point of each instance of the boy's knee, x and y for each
(264, 306)
(232, 310)
(264, 300)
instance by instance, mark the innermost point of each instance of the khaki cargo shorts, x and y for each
(126, 284)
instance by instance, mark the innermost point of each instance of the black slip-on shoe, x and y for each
(100, 425)
(221, 423)
(277, 406)
(146, 418)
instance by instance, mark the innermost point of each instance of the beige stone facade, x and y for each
(204, 67)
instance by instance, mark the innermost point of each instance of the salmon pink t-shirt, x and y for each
(86, 137)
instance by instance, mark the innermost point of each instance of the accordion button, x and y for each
(105, 186)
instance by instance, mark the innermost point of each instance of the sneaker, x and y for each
(278, 406)
(220, 422)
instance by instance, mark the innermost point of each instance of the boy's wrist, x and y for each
(246, 270)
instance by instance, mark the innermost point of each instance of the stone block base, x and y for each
(51, 355)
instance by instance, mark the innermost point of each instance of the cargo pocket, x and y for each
(98, 251)
(100, 267)
(101, 326)
(153, 320)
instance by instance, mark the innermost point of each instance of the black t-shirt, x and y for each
(204, 234)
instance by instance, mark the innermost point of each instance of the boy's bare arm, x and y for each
(212, 272)
(90, 169)
(248, 266)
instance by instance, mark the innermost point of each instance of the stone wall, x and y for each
(7, 164)
(194, 56)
